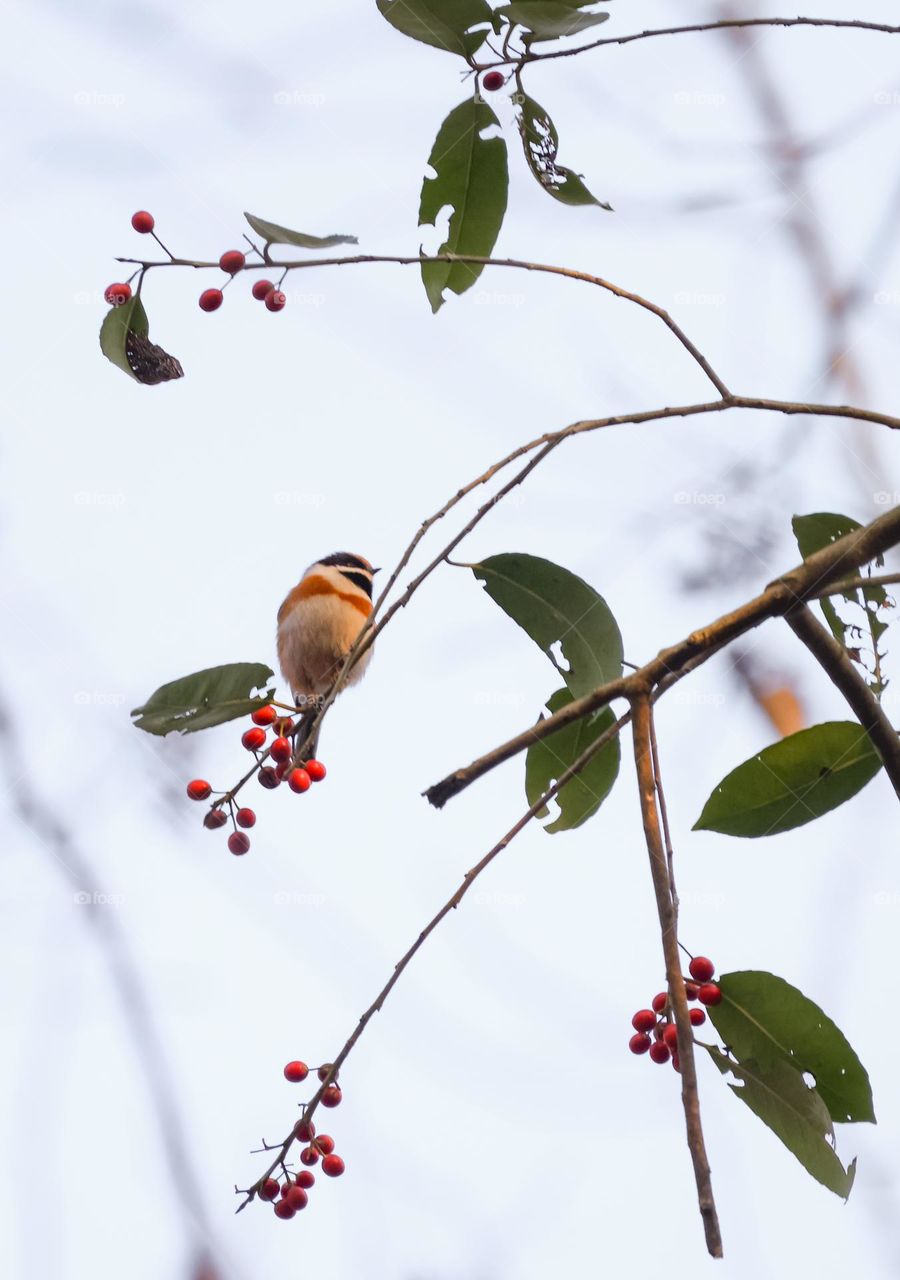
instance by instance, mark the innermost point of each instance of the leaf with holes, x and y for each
(272, 233)
(117, 324)
(205, 698)
(792, 782)
(551, 19)
(555, 606)
(820, 530)
(763, 1017)
(444, 24)
(794, 1112)
(471, 177)
(582, 795)
(541, 144)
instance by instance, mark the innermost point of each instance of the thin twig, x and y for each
(663, 811)
(450, 905)
(797, 585)
(853, 23)
(668, 924)
(836, 663)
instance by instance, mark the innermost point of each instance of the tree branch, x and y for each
(852, 23)
(668, 924)
(836, 663)
(797, 585)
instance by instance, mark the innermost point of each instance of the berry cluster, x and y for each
(655, 1031)
(231, 262)
(290, 1195)
(299, 777)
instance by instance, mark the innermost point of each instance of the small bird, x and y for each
(318, 624)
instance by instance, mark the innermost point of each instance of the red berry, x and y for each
(333, 1166)
(323, 1071)
(690, 990)
(670, 1036)
(282, 770)
(264, 716)
(281, 750)
(261, 288)
(214, 819)
(299, 780)
(211, 299)
(701, 968)
(315, 769)
(198, 789)
(698, 1017)
(284, 1189)
(232, 261)
(639, 1043)
(659, 1051)
(332, 1096)
(309, 1155)
(238, 842)
(117, 294)
(143, 221)
(297, 1197)
(284, 1210)
(644, 1020)
(659, 1002)
(268, 778)
(253, 739)
(305, 1179)
(296, 1071)
(268, 1190)
(282, 727)
(245, 818)
(676, 1062)
(304, 1130)
(493, 81)
(709, 993)
(275, 300)
(325, 1143)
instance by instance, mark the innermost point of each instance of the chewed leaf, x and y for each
(272, 233)
(204, 699)
(541, 144)
(471, 177)
(558, 610)
(548, 758)
(778, 1094)
(763, 1017)
(444, 24)
(118, 323)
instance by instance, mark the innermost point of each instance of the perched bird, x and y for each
(318, 623)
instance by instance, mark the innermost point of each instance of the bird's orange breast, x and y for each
(316, 585)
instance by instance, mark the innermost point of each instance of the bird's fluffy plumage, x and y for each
(319, 621)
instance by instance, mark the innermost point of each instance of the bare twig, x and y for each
(853, 23)
(450, 905)
(799, 584)
(668, 924)
(834, 660)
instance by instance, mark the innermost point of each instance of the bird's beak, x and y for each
(374, 571)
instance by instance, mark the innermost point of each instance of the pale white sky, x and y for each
(494, 1124)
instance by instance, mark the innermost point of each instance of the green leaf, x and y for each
(205, 698)
(792, 782)
(555, 606)
(272, 233)
(763, 1017)
(794, 1112)
(472, 178)
(540, 142)
(550, 20)
(582, 795)
(114, 331)
(444, 24)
